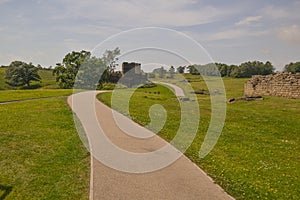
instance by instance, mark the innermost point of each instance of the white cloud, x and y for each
(56, 27)
(290, 11)
(235, 34)
(145, 13)
(290, 34)
(248, 20)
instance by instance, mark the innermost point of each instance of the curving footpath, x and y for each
(177, 90)
(180, 180)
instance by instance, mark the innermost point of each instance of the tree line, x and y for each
(76, 67)
(244, 70)
(86, 69)
(292, 67)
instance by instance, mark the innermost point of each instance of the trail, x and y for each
(180, 180)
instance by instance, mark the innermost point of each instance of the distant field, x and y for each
(41, 155)
(48, 81)
(257, 155)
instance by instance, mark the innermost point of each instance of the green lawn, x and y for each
(41, 155)
(257, 155)
(11, 95)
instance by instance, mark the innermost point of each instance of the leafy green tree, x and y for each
(39, 67)
(248, 69)
(19, 73)
(110, 59)
(89, 72)
(235, 71)
(180, 69)
(192, 70)
(268, 68)
(209, 69)
(89, 69)
(66, 71)
(224, 69)
(292, 67)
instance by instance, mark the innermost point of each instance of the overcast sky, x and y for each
(231, 31)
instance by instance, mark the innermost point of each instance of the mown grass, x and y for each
(41, 155)
(12, 95)
(257, 155)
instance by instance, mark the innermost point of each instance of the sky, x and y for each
(231, 31)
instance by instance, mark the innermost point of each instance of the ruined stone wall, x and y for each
(279, 84)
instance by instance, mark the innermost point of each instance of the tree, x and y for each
(20, 73)
(39, 67)
(247, 69)
(235, 71)
(209, 69)
(292, 67)
(224, 69)
(161, 72)
(89, 69)
(192, 70)
(66, 71)
(172, 71)
(180, 69)
(110, 59)
(268, 68)
(89, 73)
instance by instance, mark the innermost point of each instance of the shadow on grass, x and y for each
(6, 189)
(34, 86)
(25, 87)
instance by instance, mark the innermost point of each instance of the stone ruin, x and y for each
(280, 84)
(132, 74)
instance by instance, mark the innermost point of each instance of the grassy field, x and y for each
(257, 155)
(47, 81)
(12, 95)
(41, 155)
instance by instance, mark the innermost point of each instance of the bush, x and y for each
(110, 86)
(148, 85)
